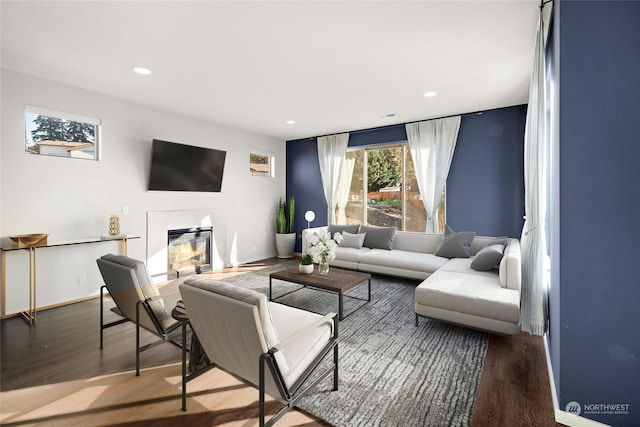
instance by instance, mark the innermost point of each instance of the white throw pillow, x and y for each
(350, 240)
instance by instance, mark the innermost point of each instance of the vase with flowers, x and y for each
(322, 248)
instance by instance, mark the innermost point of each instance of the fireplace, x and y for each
(189, 251)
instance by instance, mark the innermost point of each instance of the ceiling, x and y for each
(330, 66)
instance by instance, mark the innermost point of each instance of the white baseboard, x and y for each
(564, 417)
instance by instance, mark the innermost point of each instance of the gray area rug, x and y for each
(391, 373)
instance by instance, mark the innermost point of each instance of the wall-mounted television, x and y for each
(180, 167)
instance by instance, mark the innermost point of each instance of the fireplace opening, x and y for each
(189, 252)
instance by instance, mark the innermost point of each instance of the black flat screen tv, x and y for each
(180, 167)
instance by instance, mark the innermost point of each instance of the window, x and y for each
(261, 164)
(53, 133)
(384, 190)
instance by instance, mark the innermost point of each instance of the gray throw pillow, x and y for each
(488, 258)
(341, 228)
(502, 240)
(378, 237)
(350, 240)
(455, 245)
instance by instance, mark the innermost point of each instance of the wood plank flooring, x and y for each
(54, 374)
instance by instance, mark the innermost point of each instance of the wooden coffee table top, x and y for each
(337, 280)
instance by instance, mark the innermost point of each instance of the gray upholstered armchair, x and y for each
(271, 346)
(137, 299)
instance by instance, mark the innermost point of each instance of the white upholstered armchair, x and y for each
(269, 345)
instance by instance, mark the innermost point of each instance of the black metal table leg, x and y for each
(184, 366)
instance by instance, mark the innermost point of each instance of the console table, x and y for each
(30, 314)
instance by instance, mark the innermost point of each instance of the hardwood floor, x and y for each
(54, 374)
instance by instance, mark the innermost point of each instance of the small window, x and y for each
(54, 133)
(261, 164)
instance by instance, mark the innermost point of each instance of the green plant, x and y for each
(306, 259)
(286, 216)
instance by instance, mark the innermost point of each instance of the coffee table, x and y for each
(337, 281)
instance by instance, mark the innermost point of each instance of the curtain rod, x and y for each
(475, 113)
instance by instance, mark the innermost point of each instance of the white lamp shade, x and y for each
(309, 216)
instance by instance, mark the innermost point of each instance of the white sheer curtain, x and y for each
(343, 189)
(432, 144)
(533, 310)
(331, 156)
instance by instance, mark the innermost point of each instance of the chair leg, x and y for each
(261, 386)
(416, 319)
(335, 368)
(138, 339)
(101, 315)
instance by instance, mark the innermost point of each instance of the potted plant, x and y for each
(285, 232)
(306, 264)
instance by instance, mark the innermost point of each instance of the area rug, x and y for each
(392, 373)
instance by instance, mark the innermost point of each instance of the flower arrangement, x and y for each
(322, 248)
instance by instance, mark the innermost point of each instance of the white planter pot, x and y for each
(305, 268)
(285, 244)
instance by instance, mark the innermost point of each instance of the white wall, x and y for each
(72, 198)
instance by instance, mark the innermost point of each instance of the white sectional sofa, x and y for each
(450, 290)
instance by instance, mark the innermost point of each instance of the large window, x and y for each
(384, 190)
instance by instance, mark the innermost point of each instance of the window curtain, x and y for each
(533, 310)
(432, 144)
(332, 151)
(343, 190)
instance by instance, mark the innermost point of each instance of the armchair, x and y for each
(137, 299)
(271, 346)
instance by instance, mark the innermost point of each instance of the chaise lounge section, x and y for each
(451, 290)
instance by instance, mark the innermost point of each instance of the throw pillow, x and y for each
(350, 240)
(455, 245)
(378, 237)
(502, 240)
(341, 228)
(488, 258)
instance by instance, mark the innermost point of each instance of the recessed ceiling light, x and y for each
(142, 70)
(430, 94)
(290, 122)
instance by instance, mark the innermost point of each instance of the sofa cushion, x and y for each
(455, 245)
(473, 294)
(378, 237)
(350, 240)
(349, 254)
(488, 258)
(463, 265)
(340, 228)
(404, 260)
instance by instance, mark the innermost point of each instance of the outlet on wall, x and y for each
(125, 210)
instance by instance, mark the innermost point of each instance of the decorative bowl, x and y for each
(28, 240)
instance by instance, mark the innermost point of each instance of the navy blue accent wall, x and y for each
(305, 184)
(599, 354)
(485, 189)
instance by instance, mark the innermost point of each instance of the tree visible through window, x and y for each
(59, 134)
(392, 196)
